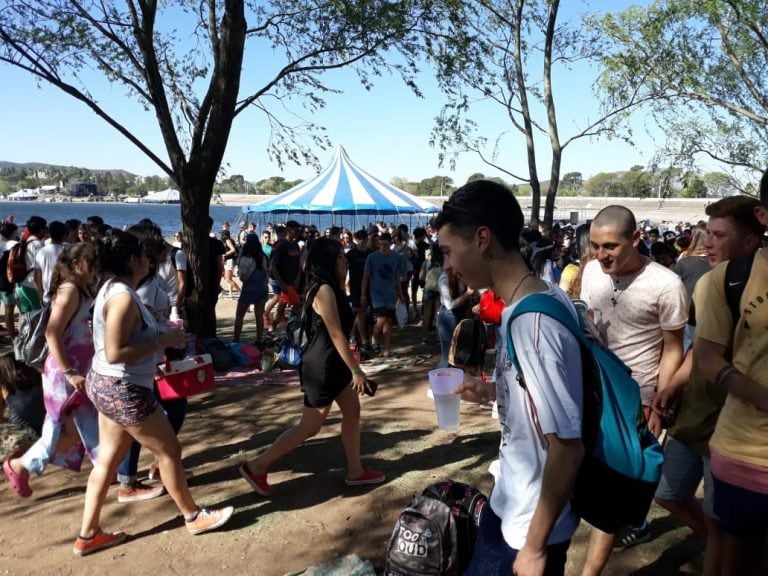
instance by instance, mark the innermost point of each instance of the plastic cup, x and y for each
(443, 382)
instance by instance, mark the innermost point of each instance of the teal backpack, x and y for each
(622, 461)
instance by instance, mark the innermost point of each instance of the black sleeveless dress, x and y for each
(323, 373)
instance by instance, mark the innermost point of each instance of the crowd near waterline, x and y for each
(683, 306)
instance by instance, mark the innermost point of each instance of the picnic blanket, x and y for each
(255, 377)
(350, 565)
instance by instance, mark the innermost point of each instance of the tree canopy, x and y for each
(503, 53)
(701, 67)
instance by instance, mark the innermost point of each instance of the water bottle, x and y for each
(174, 322)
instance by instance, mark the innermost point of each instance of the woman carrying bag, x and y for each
(70, 428)
(329, 371)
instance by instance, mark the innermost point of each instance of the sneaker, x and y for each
(138, 492)
(257, 481)
(631, 536)
(99, 541)
(208, 519)
(367, 477)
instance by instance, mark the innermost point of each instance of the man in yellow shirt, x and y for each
(739, 446)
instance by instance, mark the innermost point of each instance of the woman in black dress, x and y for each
(327, 369)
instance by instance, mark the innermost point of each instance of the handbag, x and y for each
(30, 346)
(187, 377)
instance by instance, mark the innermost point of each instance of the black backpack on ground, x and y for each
(220, 356)
(435, 535)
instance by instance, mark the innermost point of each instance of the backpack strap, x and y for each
(550, 306)
(736, 275)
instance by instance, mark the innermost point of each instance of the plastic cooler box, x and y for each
(186, 377)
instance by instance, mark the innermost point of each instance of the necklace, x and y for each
(617, 293)
(519, 284)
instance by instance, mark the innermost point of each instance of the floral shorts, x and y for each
(122, 402)
(15, 440)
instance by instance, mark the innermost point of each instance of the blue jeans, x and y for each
(493, 556)
(176, 410)
(446, 322)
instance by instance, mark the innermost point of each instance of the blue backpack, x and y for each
(622, 461)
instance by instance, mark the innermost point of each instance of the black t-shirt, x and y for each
(356, 261)
(286, 259)
(421, 254)
(215, 249)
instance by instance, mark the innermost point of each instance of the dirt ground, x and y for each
(312, 517)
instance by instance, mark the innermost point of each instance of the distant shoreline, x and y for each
(585, 207)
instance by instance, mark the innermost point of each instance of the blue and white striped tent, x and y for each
(343, 188)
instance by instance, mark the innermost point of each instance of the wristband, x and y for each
(723, 373)
(357, 372)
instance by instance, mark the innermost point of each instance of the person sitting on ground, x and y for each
(121, 385)
(329, 371)
(68, 433)
(22, 411)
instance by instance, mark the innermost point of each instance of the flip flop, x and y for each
(20, 484)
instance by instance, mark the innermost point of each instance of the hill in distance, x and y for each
(38, 165)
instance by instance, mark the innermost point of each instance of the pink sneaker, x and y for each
(367, 477)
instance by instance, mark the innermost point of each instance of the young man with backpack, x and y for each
(528, 525)
(733, 233)
(640, 310)
(27, 295)
(738, 448)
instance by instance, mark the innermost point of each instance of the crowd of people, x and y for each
(661, 300)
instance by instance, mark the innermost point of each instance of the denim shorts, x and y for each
(682, 473)
(430, 295)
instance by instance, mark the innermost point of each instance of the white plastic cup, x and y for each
(443, 382)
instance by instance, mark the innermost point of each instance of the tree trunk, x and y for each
(554, 136)
(200, 305)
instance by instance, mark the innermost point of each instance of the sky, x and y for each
(385, 131)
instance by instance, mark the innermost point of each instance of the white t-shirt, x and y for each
(167, 271)
(647, 302)
(45, 260)
(33, 247)
(550, 358)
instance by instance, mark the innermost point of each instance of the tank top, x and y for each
(142, 372)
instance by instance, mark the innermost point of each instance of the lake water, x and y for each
(168, 216)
